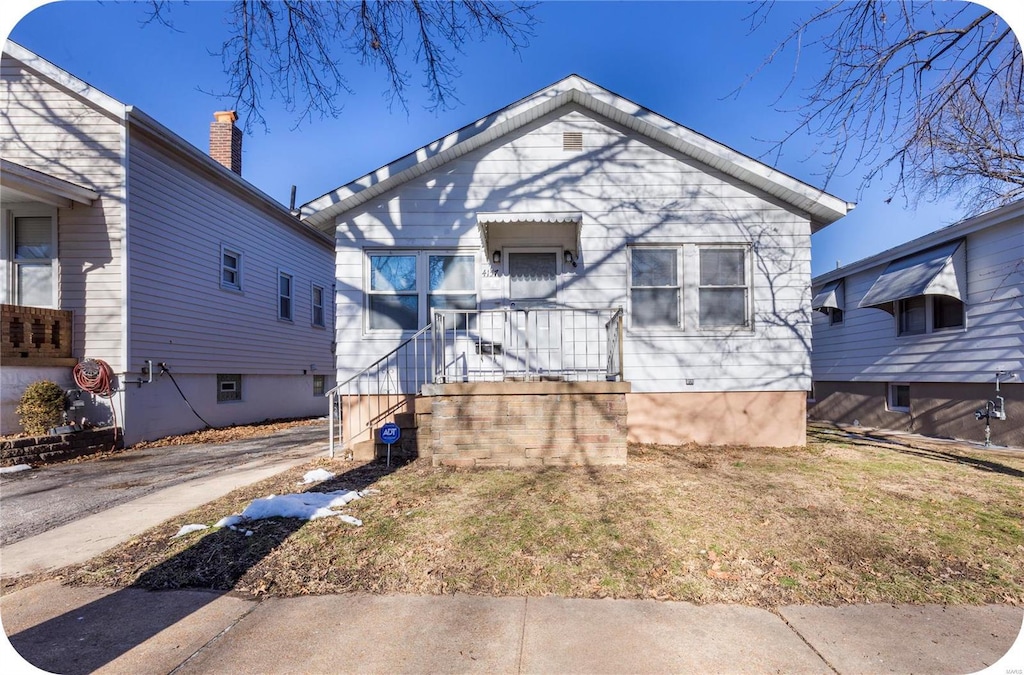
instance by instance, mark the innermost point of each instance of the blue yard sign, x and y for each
(389, 433)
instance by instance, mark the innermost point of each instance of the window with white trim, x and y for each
(898, 397)
(318, 317)
(654, 287)
(230, 269)
(724, 290)
(33, 257)
(285, 293)
(923, 314)
(690, 287)
(403, 286)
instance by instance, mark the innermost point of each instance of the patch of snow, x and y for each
(351, 520)
(228, 521)
(306, 505)
(316, 476)
(15, 469)
(188, 529)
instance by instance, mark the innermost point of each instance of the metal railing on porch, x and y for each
(518, 344)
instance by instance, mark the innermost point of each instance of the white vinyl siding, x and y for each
(631, 193)
(869, 349)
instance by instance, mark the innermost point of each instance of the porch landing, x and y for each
(514, 424)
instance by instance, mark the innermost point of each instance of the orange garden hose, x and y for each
(96, 377)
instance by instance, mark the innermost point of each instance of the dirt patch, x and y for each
(233, 433)
(842, 520)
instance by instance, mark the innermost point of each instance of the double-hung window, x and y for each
(318, 318)
(230, 269)
(34, 265)
(723, 296)
(403, 287)
(654, 287)
(689, 287)
(284, 296)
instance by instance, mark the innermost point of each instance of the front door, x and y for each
(535, 326)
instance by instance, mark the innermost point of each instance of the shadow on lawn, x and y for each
(902, 447)
(88, 637)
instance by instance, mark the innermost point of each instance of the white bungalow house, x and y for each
(124, 244)
(916, 338)
(570, 271)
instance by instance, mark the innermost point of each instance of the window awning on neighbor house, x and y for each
(831, 296)
(530, 229)
(938, 271)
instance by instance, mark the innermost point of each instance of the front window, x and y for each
(723, 288)
(284, 296)
(654, 287)
(33, 260)
(403, 287)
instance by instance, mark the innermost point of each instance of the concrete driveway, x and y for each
(39, 500)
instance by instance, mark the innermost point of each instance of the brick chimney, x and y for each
(226, 140)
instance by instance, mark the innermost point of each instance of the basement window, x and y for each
(229, 388)
(898, 399)
(319, 385)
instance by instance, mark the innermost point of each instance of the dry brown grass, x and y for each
(842, 520)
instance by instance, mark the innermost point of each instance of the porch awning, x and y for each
(831, 296)
(938, 271)
(20, 183)
(508, 228)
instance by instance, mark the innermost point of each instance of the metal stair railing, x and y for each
(379, 390)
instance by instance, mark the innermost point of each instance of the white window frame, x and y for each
(290, 297)
(891, 396)
(688, 271)
(226, 251)
(322, 306)
(679, 287)
(747, 287)
(422, 288)
(11, 291)
(929, 318)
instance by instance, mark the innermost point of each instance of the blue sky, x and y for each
(684, 60)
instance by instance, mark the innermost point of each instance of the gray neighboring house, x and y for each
(914, 338)
(124, 243)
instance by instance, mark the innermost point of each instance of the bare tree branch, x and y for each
(298, 51)
(930, 90)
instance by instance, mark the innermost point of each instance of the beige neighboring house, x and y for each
(575, 243)
(916, 337)
(123, 243)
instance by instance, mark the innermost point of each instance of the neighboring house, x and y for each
(914, 338)
(531, 227)
(123, 243)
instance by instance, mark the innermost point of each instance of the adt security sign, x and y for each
(389, 433)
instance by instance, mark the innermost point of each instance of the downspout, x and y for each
(125, 276)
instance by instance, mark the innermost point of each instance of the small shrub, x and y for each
(42, 407)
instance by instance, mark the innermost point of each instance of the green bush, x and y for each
(42, 407)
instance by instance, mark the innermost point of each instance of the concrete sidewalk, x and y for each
(83, 630)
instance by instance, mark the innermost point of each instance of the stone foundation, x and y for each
(49, 449)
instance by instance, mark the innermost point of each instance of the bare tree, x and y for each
(300, 50)
(931, 90)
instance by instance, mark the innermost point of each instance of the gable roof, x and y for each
(822, 208)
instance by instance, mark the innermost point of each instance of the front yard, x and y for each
(846, 519)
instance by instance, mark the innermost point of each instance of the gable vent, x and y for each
(572, 140)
